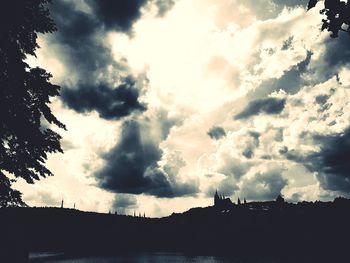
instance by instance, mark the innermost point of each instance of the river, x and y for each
(142, 258)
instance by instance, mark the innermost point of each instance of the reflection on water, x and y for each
(138, 258)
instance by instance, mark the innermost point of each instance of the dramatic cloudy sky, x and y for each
(167, 100)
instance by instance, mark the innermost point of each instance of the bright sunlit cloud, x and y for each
(257, 74)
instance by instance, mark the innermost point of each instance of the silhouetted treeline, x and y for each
(319, 229)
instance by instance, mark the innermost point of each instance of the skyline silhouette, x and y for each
(215, 128)
(270, 229)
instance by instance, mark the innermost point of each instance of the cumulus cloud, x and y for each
(45, 198)
(290, 81)
(264, 185)
(267, 106)
(286, 88)
(272, 8)
(252, 145)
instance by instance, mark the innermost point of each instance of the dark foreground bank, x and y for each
(174, 258)
(282, 230)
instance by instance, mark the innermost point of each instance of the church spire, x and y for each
(216, 198)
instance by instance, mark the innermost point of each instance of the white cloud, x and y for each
(205, 60)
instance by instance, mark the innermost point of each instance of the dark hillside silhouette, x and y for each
(25, 93)
(271, 229)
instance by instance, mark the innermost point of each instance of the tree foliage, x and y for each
(337, 15)
(25, 94)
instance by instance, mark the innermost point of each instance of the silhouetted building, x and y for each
(222, 203)
(279, 199)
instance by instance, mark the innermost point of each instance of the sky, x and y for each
(166, 101)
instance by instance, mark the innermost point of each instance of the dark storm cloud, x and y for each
(123, 203)
(89, 60)
(132, 167)
(109, 103)
(333, 161)
(82, 50)
(118, 15)
(267, 106)
(216, 132)
(337, 51)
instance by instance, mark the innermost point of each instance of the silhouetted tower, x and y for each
(216, 198)
(245, 201)
(74, 206)
(279, 199)
(144, 214)
(239, 201)
(62, 204)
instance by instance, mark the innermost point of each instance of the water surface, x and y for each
(138, 258)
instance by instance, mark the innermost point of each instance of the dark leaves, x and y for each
(24, 98)
(312, 3)
(8, 196)
(337, 15)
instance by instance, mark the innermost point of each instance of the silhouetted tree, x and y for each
(8, 196)
(25, 93)
(337, 15)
